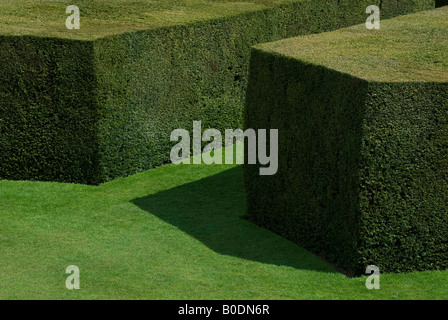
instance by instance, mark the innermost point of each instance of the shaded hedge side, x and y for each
(312, 199)
(363, 167)
(441, 3)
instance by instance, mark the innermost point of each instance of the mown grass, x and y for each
(175, 232)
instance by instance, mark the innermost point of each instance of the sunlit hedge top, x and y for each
(408, 48)
(107, 17)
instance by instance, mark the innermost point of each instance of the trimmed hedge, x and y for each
(103, 106)
(48, 113)
(363, 143)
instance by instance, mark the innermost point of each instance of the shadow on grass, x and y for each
(212, 209)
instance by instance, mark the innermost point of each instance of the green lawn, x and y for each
(175, 232)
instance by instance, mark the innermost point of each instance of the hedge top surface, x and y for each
(101, 18)
(407, 48)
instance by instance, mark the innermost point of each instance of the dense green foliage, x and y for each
(94, 110)
(363, 164)
(48, 116)
(404, 177)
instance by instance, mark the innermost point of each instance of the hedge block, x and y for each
(362, 118)
(97, 103)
